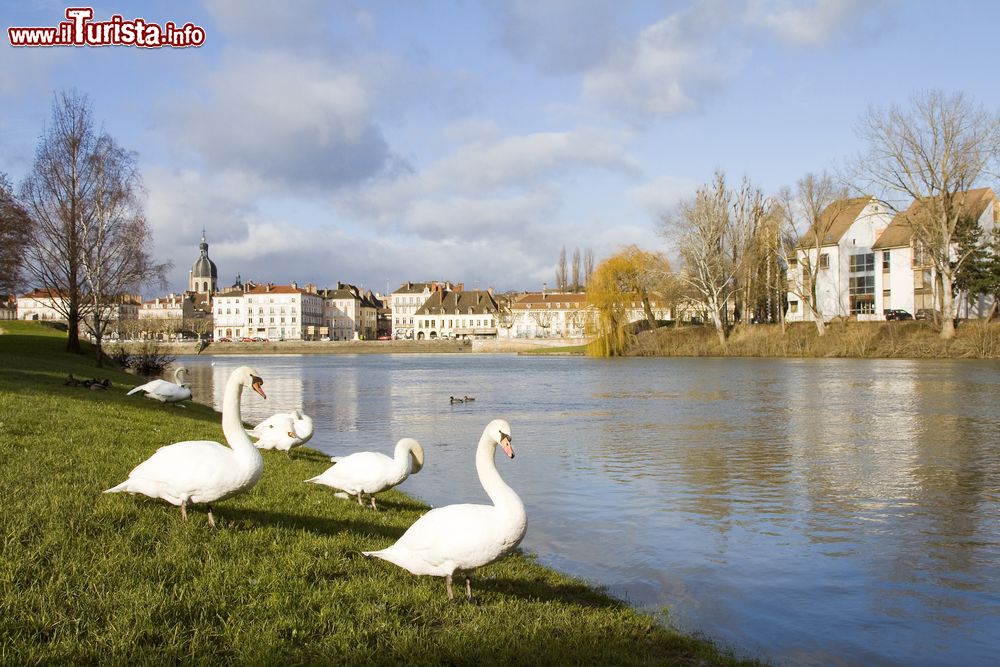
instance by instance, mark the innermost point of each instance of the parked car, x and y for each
(225, 339)
(896, 314)
(259, 339)
(927, 314)
(246, 339)
(385, 337)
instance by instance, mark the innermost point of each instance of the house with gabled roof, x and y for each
(268, 311)
(407, 298)
(838, 251)
(907, 278)
(350, 312)
(456, 314)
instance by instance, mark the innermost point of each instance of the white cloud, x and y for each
(670, 67)
(811, 23)
(295, 123)
(661, 195)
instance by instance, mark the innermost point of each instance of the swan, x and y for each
(164, 391)
(372, 472)
(463, 537)
(201, 471)
(282, 431)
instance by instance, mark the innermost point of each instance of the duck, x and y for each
(100, 385)
(372, 472)
(456, 400)
(164, 391)
(469, 399)
(461, 538)
(282, 431)
(71, 381)
(202, 471)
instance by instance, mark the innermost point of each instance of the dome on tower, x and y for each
(204, 267)
(204, 274)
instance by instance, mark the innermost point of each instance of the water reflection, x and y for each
(810, 512)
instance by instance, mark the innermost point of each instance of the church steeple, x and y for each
(204, 276)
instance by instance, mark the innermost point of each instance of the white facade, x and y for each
(270, 312)
(407, 299)
(456, 314)
(848, 277)
(548, 315)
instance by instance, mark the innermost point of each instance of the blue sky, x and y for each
(377, 142)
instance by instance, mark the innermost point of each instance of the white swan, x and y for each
(164, 391)
(202, 471)
(373, 472)
(463, 537)
(282, 431)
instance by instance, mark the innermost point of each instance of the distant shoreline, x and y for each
(358, 347)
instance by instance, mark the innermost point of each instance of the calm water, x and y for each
(805, 511)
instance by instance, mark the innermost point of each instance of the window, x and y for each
(885, 261)
(861, 285)
(824, 261)
(793, 306)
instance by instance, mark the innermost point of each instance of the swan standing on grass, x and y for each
(463, 537)
(373, 472)
(202, 471)
(164, 391)
(282, 431)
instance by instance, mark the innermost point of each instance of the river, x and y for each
(806, 512)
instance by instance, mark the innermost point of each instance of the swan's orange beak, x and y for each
(505, 443)
(257, 387)
(291, 434)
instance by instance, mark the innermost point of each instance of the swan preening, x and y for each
(202, 471)
(373, 472)
(164, 391)
(282, 431)
(460, 538)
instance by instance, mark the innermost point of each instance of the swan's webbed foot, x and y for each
(447, 581)
(211, 519)
(360, 502)
(373, 503)
(184, 513)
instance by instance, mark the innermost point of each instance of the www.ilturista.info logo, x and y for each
(80, 30)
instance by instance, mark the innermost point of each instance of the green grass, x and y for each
(119, 579)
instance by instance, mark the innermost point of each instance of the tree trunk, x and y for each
(73, 328)
(947, 308)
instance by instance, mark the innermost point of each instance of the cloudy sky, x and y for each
(377, 142)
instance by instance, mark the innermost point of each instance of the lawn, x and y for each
(89, 577)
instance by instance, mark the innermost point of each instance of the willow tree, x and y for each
(933, 152)
(15, 230)
(620, 285)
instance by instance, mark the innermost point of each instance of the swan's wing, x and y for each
(192, 465)
(278, 421)
(360, 471)
(303, 429)
(150, 386)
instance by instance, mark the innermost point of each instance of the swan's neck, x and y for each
(401, 457)
(232, 421)
(503, 496)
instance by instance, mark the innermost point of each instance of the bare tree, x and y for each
(115, 237)
(934, 152)
(808, 216)
(561, 275)
(588, 266)
(15, 231)
(712, 235)
(575, 281)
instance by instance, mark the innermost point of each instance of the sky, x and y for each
(385, 141)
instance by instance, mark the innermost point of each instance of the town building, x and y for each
(8, 307)
(456, 314)
(269, 312)
(48, 305)
(868, 261)
(406, 299)
(840, 248)
(350, 313)
(907, 280)
(547, 315)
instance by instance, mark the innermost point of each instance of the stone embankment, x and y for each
(359, 347)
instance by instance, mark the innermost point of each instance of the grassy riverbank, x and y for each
(900, 340)
(117, 579)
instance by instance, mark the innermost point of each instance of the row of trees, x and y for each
(76, 226)
(735, 243)
(574, 279)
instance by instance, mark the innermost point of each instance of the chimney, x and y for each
(295, 285)
(545, 286)
(459, 287)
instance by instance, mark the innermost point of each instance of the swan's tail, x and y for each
(132, 391)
